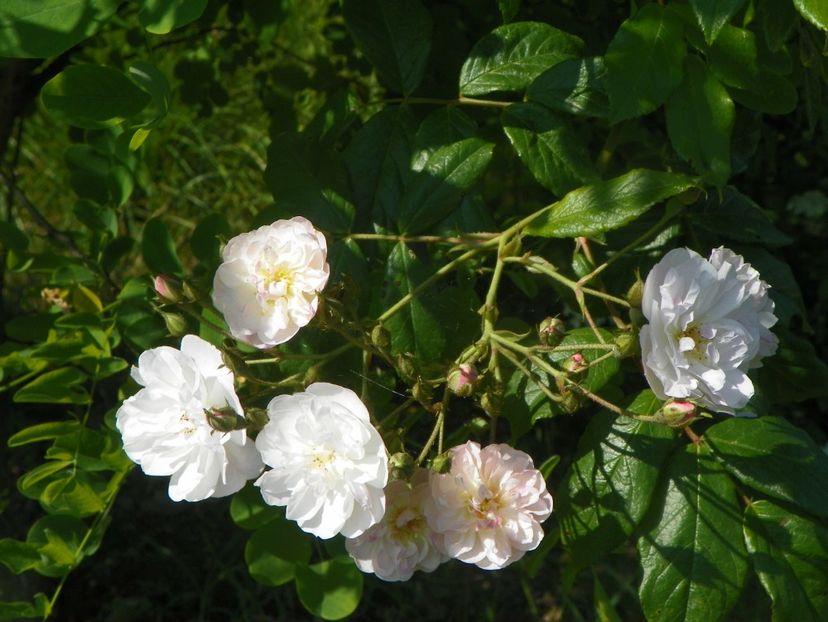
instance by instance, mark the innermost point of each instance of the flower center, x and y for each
(188, 425)
(484, 506)
(405, 523)
(692, 342)
(275, 282)
(322, 459)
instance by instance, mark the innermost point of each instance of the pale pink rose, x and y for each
(489, 506)
(268, 283)
(402, 542)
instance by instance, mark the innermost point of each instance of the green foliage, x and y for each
(474, 170)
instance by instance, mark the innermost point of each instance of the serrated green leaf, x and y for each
(275, 550)
(330, 589)
(700, 118)
(44, 28)
(445, 125)
(712, 15)
(575, 86)
(161, 16)
(607, 205)
(693, 555)
(774, 457)
(394, 35)
(644, 62)
(553, 152)
(378, 161)
(510, 57)
(815, 11)
(736, 217)
(92, 97)
(60, 386)
(790, 555)
(42, 432)
(416, 328)
(307, 179)
(435, 191)
(610, 484)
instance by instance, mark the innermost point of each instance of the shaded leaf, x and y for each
(275, 550)
(330, 589)
(712, 15)
(161, 16)
(575, 86)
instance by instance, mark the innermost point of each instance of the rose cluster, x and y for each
(328, 465)
(709, 324)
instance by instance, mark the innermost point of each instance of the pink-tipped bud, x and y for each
(165, 289)
(551, 331)
(463, 379)
(678, 413)
(575, 363)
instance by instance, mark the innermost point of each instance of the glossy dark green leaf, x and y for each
(553, 152)
(161, 16)
(510, 57)
(609, 486)
(330, 589)
(417, 328)
(795, 373)
(700, 118)
(790, 555)
(90, 96)
(436, 190)
(607, 205)
(778, 20)
(308, 180)
(275, 550)
(774, 457)
(445, 125)
(815, 11)
(712, 15)
(394, 35)
(159, 248)
(692, 551)
(736, 217)
(43, 28)
(378, 161)
(60, 386)
(644, 62)
(574, 86)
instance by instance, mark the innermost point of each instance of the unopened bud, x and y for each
(575, 363)
(257, 418)
(422, 392)
(441, 463)
(627, 345)
(571, 401)
(406, 366)
(678, 413)
(225, 420)
(311, 375)
(462, 380)
(636, 293)
(492, 403)
(401, 466)
(380, 337)
(167, 289)
(551, 331)
(176, 323)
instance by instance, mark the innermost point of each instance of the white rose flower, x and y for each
(165, 429)
(329, 464)
(489, 506)
(267, 286)
(402, 542)
(709, 323)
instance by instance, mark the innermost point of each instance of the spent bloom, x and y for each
(709, 324)
(489, 506)
(329, 464)
(402, 542)
(165, 425)
(268, 283)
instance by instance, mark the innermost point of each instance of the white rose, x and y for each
(267, 286)
(489, 506)
(329, 464)
(165, 429)
(709, 323)
(402, 541)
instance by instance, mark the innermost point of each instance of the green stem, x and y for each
(437, 430)
(460, 101)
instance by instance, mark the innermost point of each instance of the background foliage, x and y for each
(593, 136)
